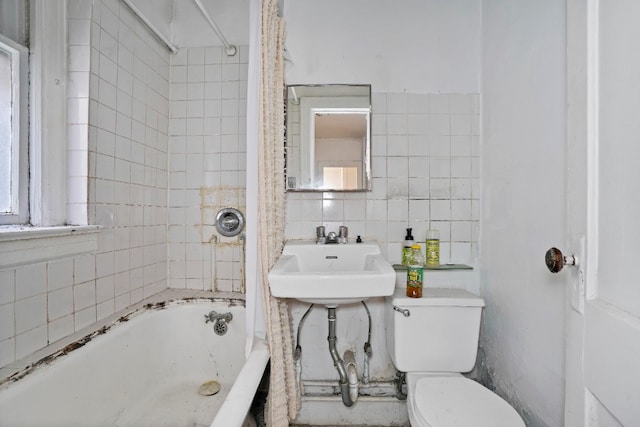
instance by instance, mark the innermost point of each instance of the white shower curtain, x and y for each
(268, 213)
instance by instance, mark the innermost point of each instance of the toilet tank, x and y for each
(439, 335)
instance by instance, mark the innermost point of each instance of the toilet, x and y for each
(434, 339)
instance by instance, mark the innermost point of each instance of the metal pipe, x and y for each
(337, 361)
(229, 49)
(297, 355)
(150, 26)
(367, 349)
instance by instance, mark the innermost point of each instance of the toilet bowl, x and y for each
(434, 339)
(455, 401)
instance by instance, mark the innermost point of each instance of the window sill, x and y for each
(21, 245)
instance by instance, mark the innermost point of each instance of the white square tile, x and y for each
(461, 210)
(59, 274)
(30, 341)
(195, 73)
(7, 286)
(355, 210)
(397, 167)
(460, 103)
(397, 210)
(7, 322)
(417, 124)
(439, 124)
(30, 313)
(461, 167)
(440, 210)
(419, 188)
(179, 74)
(31, 280)
(418, 167)
(418, 210)
(460, 124)
(332, 210)
(460, 188)
(397, 145)
(213, 55)
(418, 145)
(461, 231)
(440, 167)
(397, 187)
(60, 303)
(461, 145)
(84, 318)
(440, 188)
(84, 295)
(60, 328)
(196, 55)
(397, 124)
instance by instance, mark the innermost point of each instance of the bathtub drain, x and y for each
(209, 388)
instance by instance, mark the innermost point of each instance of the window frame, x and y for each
(19, 213)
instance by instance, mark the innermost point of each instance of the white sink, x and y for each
(331, 274)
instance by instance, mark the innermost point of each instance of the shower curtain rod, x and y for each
(229, 49)
(150, 26)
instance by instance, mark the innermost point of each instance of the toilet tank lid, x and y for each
(434, 297)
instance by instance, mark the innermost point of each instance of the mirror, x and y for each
(328, 138)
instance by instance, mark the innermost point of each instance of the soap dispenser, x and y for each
(406, 247)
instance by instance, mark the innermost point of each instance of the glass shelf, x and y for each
(399, 267)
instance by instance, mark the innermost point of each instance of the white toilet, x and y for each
(434, 339)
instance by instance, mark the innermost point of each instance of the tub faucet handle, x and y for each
(213, 316)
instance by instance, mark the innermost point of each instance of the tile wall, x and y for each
(207, 166)
(426, 174)
(124, 93)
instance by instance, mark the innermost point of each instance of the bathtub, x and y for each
(143, 369)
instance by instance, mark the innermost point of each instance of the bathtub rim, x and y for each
(21, 368)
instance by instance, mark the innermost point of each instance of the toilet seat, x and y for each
(455, 401)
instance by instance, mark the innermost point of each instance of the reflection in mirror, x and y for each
(328, 137)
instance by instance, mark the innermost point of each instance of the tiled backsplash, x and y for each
(426, 174)
(207, 165)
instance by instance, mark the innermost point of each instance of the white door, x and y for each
(603, 192)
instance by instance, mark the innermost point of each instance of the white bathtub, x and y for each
(144, 369)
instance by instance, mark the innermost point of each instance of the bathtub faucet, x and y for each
(220, 321)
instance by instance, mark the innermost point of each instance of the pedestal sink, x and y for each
(331, 274)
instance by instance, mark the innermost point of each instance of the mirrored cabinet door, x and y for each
(328, 138)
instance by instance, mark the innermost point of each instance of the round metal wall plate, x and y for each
(229, 222)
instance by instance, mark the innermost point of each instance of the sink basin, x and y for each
(331, 274)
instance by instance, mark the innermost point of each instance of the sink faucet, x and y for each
(332, 237)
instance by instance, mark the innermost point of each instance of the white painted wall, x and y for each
(523, 204)
(397, 46)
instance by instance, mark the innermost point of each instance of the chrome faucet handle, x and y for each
(343, 231)
(320, 231)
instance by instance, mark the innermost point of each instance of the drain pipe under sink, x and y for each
(348, 382)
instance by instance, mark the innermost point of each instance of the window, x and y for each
(13, 133)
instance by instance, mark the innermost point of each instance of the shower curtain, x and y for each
(265, 135)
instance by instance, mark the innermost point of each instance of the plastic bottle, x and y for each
(415, 272)
(406, 247)
(433, 247)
